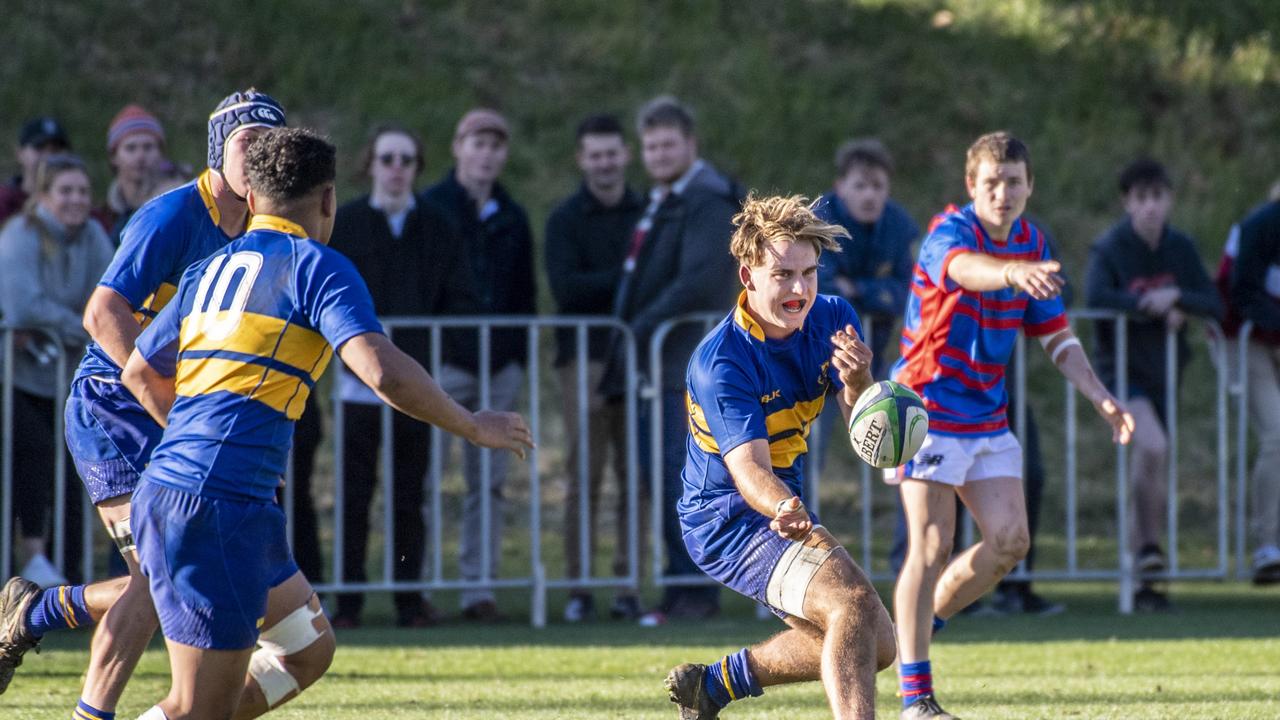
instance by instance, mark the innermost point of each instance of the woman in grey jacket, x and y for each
(51, 257)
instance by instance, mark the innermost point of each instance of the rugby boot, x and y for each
(685, 688)
(926, 706)
(15, 638)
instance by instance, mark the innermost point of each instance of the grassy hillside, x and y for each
(777, 87)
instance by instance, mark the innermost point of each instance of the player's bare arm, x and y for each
(406, 386)
(154, 391)
(764, 492)
(852, 360)
(109, 320)
(1068, 355)
(980, 272)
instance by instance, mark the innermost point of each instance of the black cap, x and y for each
(41, 131)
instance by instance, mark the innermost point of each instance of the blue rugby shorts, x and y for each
(210, 563)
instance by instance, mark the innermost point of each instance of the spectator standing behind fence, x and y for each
(587, 238)
(410, 256)
(872, 270)
(38, 137)
(51, 257)
(675, 264)
(1249, 278)
(1145, 267)
(135, 149)
(496, 239)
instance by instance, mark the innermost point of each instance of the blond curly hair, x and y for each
(766, 219)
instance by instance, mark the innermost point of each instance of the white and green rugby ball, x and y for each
(888, 424)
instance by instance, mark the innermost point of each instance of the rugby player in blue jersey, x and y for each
(109, 435)
(755, 385)
(227, 368)
(983, 274)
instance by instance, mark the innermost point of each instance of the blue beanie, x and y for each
(237, 111)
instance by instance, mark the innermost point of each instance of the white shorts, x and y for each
(955, 460)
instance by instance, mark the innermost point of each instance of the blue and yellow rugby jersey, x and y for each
(159, 242)
(742, 386)
(246, 337)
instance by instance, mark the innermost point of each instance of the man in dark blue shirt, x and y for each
(873, 268)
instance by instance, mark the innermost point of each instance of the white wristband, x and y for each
(1062, 348)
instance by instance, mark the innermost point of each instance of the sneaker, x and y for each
(1033, 604)
(1151, 600)
(982, 609)
(1266, 565)
(424, 615)
(42, 572)
(1022, 601)
(580, 607)
(652, 619)
(15, 639)
(625, 607)
(1007, 602)
(485, 611)
(926, 706)
(344, 622)
(1150, 560)
(684, 688)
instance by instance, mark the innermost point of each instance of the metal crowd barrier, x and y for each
(536, 580)
(1240, 389)
(52, 352)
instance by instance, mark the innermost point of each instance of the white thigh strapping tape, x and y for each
(790, 580)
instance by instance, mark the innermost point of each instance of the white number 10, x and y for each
(217, 325)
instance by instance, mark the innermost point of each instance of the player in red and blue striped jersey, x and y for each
(984, 273)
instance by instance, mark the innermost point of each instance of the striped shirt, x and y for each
(956, 342)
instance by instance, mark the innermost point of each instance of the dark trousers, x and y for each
(305, 537)
(362, 427)
(675, 432)
(33, 481)
(606, 425)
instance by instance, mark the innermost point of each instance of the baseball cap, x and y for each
(482, 120)
(44, 130)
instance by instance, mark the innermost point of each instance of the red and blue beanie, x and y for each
(133, 119)
(236, 112)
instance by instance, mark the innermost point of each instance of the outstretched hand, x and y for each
(502, 431)
(1040, 280)
(1118, 417)
(791, 520)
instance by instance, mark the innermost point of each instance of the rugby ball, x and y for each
(888, 424)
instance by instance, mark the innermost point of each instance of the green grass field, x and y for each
(1216, 657)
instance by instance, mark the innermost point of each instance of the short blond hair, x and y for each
(766, 219)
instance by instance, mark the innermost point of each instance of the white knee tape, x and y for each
(294, 633)
(789, 582)
(273, 678)
(155, 713)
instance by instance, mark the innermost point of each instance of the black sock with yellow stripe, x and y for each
(58, 608)
(731, 679)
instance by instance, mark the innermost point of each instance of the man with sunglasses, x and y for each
(412, 260)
